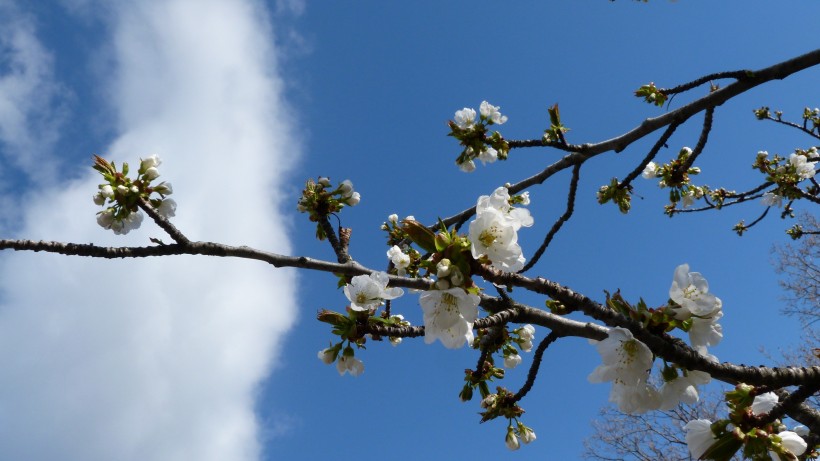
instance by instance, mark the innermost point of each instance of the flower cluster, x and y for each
(121, 195)
(365, 293)
(472, 135)
(723, 438)
(786, 173)
(627, 362)
(494, 232)
(319, 199)
(675, 175)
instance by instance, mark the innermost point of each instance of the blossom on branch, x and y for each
(369, 291)
(493, 233)
(690, 291)
(627, 363)
(449, 316)
(699, 436)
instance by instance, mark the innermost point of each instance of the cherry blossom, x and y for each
(491, 113)
(691, 292)
(683, 389)
(449, 316)
(369, 291)
(764, 403)
(465, 118)
(349, 364)
(699, 436)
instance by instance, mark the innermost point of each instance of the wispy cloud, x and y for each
(159, 359)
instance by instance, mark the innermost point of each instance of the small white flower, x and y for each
(764, 403)
(488, 155)
(167, 208)
(625, 359)
(354, 199)
(683, 389)
(792, 442)
(164, 188)
(394, 218)
(150, 162)
(772, 199)
(527, 435)
(99, 198)
(650, 171)
(349, 364)
(399, 259)
(512, 360)
(122, 189)
(525, 198)
(491, 113)
(107, 191)
(511, 440)
(105, 218)
(691, 292)
(465, 118)
(802, 166)
(151, 173)
(526, 333)
(327, 356)
(706, 331)
(699, 436)
(369, 291)
(494, 236)
(346, 188)
(467, 167)
(449, 316)
(635, 399)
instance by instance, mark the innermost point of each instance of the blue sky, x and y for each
(188, 358)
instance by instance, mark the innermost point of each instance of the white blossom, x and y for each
(449, 316)
(691, 292)
(399, 259)
(802, 166)
(706, 331)
(151, 162)
(369, 291)
(99, 198)
(467, 167)
(699, 436)
(488, 155)
(327, 356)
(650, 171)
(772, 199)
(349, 364)
(494, 236)
(635, 399)
(394, 218)
(151, 173)
(527, 435)
(764, 403)
(511, 440)
(625, 359)
(105, 218)
(465, 118)
(512, 360)
(791, 441)
(683, 389)
(164, 188)
(107, 191)
(491, 113)
(167, 208)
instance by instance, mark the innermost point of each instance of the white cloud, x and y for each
(159, 359)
